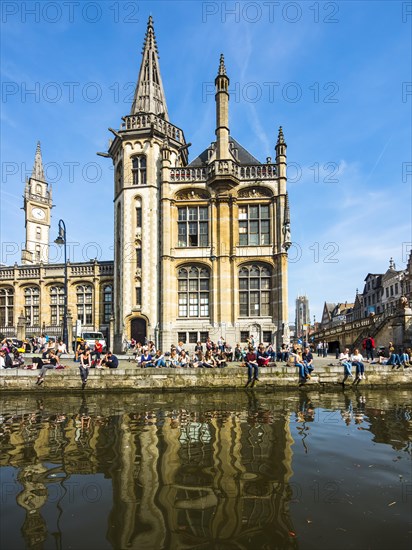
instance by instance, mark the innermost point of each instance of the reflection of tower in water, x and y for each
(32, 497)
(196, 481)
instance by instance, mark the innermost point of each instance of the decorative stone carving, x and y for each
(192, 194)
(254, 193)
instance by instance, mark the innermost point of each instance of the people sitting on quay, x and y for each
(252, 366)
(159, 359)
(358, 362)
(405, 358)
(307, 358)
(80, 347)
(6, 362)
(18, 359)
(85, 364)
(45, 363)
(239, 353)
(296, 360)
(344, 360)
(97, 353)
(394, 358)
(263, 356)
(61, 349)
(110, 360)
(146, 359)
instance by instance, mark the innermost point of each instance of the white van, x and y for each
(91, 337)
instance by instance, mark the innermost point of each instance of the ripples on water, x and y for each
(225, 470)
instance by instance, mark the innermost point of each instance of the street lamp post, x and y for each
(62, 241)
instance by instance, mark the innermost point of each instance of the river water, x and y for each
(223, 470)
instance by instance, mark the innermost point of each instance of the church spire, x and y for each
(38, 172)
(149, 96)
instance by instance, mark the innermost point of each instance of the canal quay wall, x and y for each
(129, 377)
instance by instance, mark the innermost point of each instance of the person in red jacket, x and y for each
(97, 353)
(369, 345)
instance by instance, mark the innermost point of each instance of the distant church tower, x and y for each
(302, 315)
(37, 207)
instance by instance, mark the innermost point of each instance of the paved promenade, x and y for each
(129, 377)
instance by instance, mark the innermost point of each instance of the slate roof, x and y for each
(243, 156)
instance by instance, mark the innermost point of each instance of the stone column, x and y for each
(69, 319)
(111, 333)
(223, 264)
(21, 327)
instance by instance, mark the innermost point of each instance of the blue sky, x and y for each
(334, 74)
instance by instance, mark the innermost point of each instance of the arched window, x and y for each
(38, 233)
(38, 253)
(119, 177)
(254, 291)
(193, 285)
(84, 294)
(56, 305)
(32, 305)
(6, 307)
(139, 170)
(38, 189)
(107, 303)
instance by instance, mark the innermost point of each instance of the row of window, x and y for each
(374, 298)
(193, 225)
(194, 337)
(255, 289)
(84, 305)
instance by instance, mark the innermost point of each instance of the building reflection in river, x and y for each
(174, 471)
(182, 477)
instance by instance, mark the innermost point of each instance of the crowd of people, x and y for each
(209, 354)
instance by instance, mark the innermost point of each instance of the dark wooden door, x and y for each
(138, 330)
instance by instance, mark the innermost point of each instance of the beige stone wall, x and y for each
(135, 379)
(44, 277)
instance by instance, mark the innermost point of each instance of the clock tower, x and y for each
(37, 208)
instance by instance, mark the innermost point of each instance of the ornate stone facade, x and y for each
(200, 248)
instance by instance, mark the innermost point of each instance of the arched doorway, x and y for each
(138, 329)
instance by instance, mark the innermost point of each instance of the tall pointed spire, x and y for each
(38, 172)
(149, 96)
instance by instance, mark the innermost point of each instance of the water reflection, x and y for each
(173, 471)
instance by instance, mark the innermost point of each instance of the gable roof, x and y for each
(243, 156)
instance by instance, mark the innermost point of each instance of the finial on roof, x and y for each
(222, 68)
(391, 264)
(281, 137)
(38, 172)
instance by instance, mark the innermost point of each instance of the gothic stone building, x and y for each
(200, 248)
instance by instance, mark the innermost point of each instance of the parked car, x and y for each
(91, 337)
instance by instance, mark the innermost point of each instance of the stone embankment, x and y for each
(129, 377)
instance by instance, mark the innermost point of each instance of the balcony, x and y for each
(148, 121)
(224, 169)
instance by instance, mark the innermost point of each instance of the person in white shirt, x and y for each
(357, 361)
(2, 363)
(347, 365)
(61, 348)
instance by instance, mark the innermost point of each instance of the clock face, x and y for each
(38, 213)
